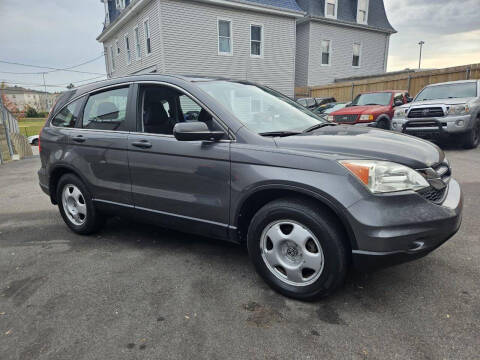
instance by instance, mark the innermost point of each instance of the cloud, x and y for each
(56, 33)
(450, 29)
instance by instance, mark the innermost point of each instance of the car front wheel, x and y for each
(472, 138)
(298, 248)
(76, 205)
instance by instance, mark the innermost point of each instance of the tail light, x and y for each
(48, 117)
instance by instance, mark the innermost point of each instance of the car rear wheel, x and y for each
(298, 249)
(76, 205)
(472, 138)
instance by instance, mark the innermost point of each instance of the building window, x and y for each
(326, 52)
(120, 4)
(225, 37)
(117, 46)
(357, 47)
(128, 50)
(148, 41)
(112, 58)
(331, 8)
(137, 43)
(362, 11)
(256, 39)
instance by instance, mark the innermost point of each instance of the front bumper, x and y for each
(434, 127)
(396, 228)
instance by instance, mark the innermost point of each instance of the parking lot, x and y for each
(140, 292)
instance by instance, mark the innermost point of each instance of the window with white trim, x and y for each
(128, 51)
(331, 7)
(148, 41)
(224, 37)
(120, 4)
(326, 45)
(112, 58)
(138, 53)
(357, 49)
(362, 11)
(256, 40)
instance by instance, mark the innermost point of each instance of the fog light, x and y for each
(460, 123)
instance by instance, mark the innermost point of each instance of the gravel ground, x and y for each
(142, 292)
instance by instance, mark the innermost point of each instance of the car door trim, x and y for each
(166, 213)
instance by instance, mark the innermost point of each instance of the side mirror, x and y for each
(398, 102)
(196, 131)
(409, 99)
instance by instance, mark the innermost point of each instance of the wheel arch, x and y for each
(56, 173)
(384, 117)
(259, 197)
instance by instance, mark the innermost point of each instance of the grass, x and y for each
(31, 126)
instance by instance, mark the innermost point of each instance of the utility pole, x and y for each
(421, 43)
(45, 93)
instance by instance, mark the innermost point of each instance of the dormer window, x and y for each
(331, 7)
(120, 4)
(362, 12)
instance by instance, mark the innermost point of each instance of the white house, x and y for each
(278, 43)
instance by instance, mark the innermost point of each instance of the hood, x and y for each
(455, 101)
(359, 142)
(365, 109)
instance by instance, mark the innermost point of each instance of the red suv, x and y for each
(372, 108)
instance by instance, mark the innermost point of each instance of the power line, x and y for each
(69, 69)
(50, 85)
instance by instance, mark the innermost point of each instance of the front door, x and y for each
(182, 184)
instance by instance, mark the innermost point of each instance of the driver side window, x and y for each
(163, 107)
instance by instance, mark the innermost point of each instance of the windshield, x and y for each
(448, 91)
(261, 109)
(372, 99)
(335, 108)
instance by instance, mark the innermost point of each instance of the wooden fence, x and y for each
(412, 81)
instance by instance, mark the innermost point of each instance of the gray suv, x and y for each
(240, 162)
(443, 110)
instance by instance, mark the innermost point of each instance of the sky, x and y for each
(62, 33)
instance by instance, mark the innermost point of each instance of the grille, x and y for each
(426, 112)
(345, 118)
(428, 123)
(433, 194)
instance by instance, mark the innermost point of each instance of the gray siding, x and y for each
(302, 51)
(191, 45)
(154, 59)
(372, 60)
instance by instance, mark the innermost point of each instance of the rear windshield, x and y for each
(448, 91)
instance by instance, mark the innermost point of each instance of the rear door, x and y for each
(182, 184)
(99, 145)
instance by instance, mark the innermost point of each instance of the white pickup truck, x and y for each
(450, 109)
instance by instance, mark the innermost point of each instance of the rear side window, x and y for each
(67, 117)
(106, 110)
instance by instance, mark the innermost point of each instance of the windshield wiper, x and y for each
(280, 133)
(319, 126)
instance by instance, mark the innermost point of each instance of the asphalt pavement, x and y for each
(136, 291)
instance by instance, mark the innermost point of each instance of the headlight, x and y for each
(458, 110)
(400, 113)
(366, 117)
(385, 176)
(330, 118)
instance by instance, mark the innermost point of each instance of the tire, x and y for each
(383, 124)
(328, 263)
(35, 142)
(77, 201)
(471, 139)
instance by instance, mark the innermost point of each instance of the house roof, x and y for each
(347, 13)
(281, 4)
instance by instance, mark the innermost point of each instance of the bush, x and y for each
(31, 112)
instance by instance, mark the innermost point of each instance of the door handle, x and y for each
(143, 144)
(79, 138)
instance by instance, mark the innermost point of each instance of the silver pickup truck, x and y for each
(450, 109)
